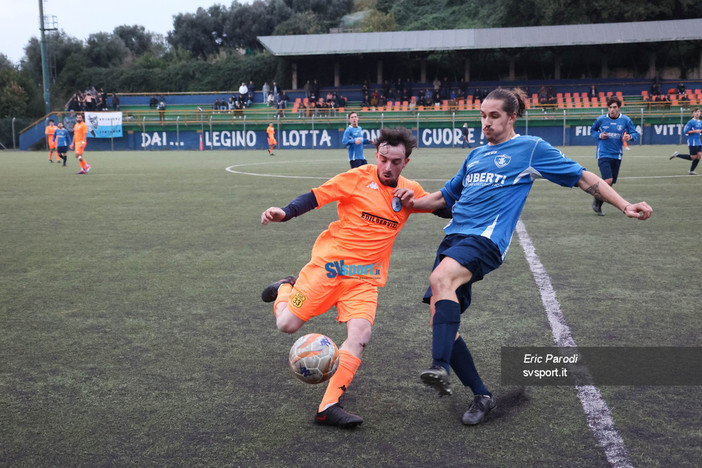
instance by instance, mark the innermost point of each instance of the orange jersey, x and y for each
(80, 132)
(359, 244)
(49, 132)
(271, 135)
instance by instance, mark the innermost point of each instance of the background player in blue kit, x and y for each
(353, 138)
(611, 132)
(693, 128)
(62, 140)
(486, 198)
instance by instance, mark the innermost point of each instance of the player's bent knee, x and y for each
(287, 322)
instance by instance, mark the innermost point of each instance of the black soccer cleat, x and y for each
(597, 206)
(335, 415)
(478, 410)
(270, 293)
(437, 378)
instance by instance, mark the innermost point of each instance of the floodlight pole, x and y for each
(44, 62)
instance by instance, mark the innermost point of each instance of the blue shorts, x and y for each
(478, 254)
(357, 163)
(694, 150)
(62, 149)
(609, 168)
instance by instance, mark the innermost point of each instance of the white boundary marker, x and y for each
(599, 417)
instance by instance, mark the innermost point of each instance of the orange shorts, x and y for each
(80, 147)
(52, 143)
(271, 141)
(315, 293)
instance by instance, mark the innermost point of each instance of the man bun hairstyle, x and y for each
(514, 100)
(397, 136)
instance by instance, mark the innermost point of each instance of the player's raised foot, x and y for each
(437, 378)
(335, 415)
(674, 155)
(270, 293)
(478, 410)
(692, 173)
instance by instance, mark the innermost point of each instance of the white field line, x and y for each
(599, 417)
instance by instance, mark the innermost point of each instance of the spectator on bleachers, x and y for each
(243, 92)
(265, 89)
(543, 95)
(374, 100)
(161, 109)
(655, 86)
(315, 88)
(436, 83)
(436, 98)
(307, 89)
(365, 99)
(365, 87)
(682, 93)
(551, 95)
(408, 87)
(115, 102)
(593, 92)
(428, 97)
(340, 100)
(270, 99)
(282, 104)
(153, 102)
(216, 104)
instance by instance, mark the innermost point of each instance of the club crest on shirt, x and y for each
(396, 204)
(501, 160)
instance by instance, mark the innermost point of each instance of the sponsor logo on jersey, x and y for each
(373, 186)
(380, 220)
(484, 178)
(340, 268)
(502, 160)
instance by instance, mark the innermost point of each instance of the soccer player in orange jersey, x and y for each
(271, 138)
(349, 260)
(49, 132)
(80, 139)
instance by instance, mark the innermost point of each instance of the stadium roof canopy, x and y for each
(476, 39)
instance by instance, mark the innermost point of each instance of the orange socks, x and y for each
(82, 163)
(348, 365)
(283, 295)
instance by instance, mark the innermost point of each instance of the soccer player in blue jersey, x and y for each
(611, 131)
(486, 198)
(62, 140)
(353, 138)
(694, 143)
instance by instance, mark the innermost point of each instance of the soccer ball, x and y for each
(314, 358)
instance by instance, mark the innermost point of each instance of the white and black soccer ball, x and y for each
(314, 358)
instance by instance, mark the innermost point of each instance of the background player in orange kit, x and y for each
(349, 260)
(271, 138)
(80, 140)
(49, 132)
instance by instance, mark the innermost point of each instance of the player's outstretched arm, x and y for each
(272, 214)
(591, 183)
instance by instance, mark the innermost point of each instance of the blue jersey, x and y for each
(62, 137)
(355, 151)
(490, 189)
(612, 146)
(693, 139)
